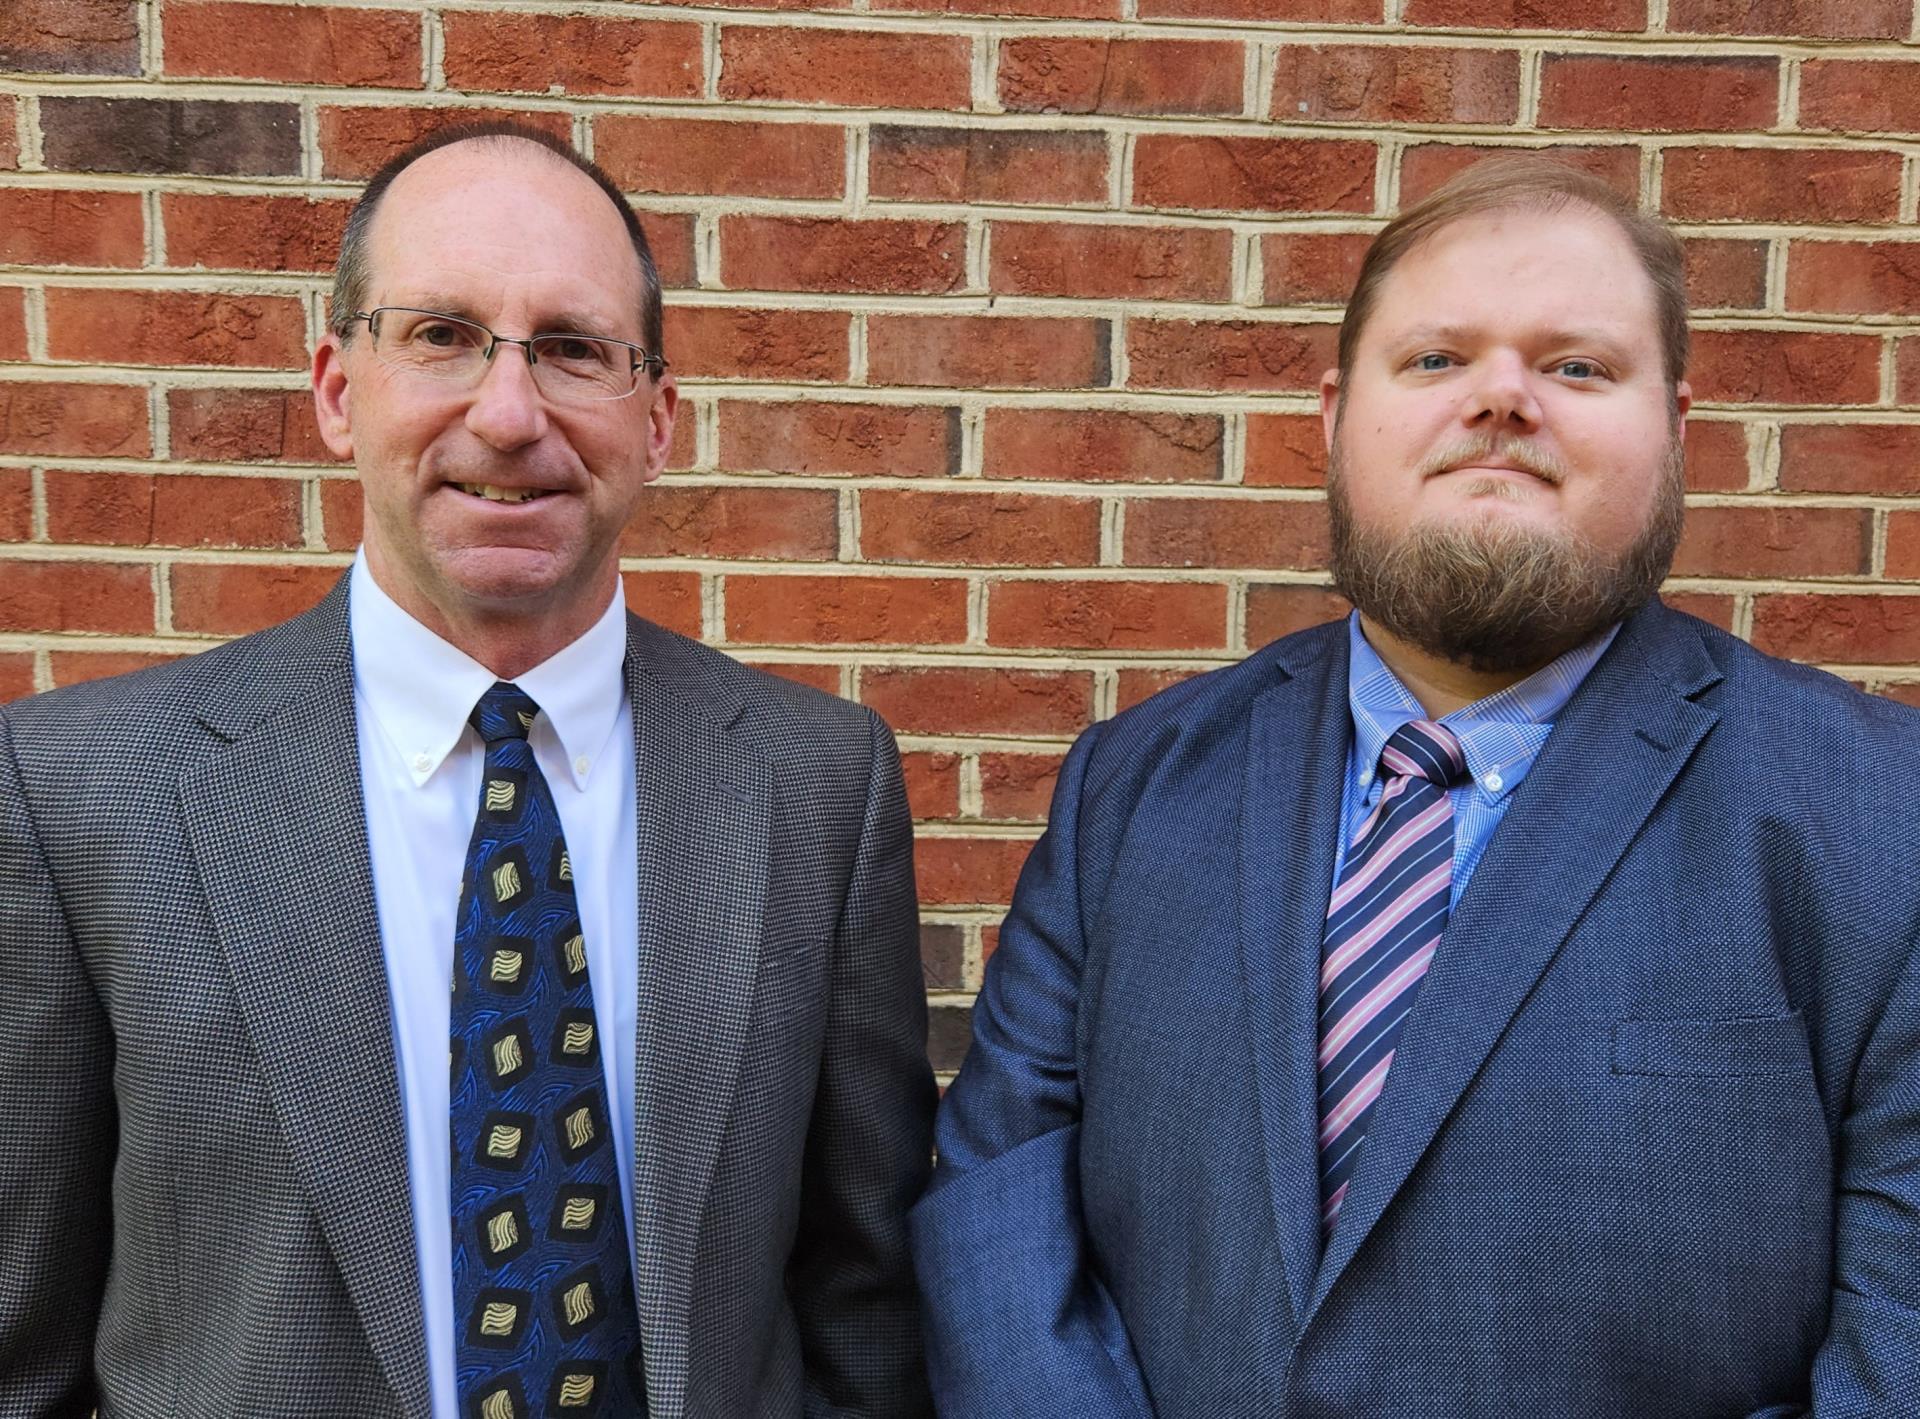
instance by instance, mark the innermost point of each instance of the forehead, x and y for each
(510, 231)
(1520, 270)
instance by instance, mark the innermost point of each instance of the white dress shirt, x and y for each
(420, 770)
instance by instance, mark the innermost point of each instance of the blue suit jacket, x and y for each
(1651, 1143)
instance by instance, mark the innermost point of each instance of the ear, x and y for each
(1682, 402)
(330, 396)
(1329, 405)
(661, 414)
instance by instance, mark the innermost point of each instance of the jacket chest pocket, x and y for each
(1732, 1046)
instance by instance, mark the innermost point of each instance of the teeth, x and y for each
(500, 495)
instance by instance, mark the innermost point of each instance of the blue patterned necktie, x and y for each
(1383, 926)
(544, 1315)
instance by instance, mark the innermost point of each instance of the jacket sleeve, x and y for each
(1018, 1322)
(1870, 1362)
(869, 1145)
(59, 1128)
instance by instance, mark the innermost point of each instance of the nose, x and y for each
(506, 410)
(1500, 396)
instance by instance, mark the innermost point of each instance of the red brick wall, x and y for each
(1000, 321)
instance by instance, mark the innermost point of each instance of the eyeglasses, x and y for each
(566, 368)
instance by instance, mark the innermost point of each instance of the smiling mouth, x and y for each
(494, 494)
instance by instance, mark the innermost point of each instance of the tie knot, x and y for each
(1423, 749)
(504, 712)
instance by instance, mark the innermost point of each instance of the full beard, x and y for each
(1492, 594)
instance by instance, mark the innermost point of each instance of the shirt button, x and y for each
(421, 763)
(1366, 777)
(581, 765)
(1493, 783)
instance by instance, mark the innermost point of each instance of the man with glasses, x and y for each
(467, 998)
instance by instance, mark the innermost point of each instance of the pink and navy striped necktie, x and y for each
(1383, 925)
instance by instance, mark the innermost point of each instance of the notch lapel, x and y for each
(1616, 748)
(1297, 742)
(704, 822)
(277, 827)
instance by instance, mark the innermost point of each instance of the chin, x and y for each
(506, 576)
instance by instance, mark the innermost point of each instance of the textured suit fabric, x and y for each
(206, 1201)
(1651, 1143)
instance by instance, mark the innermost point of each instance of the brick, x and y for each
(1907, 693)
(356, 142)
(983, 699)
(933, 783)
(1850, 458)
(46, 226)
(1529, 14)
(722, 342)
(1725, 274)
(1711, 607)
(13, 323)
(943, 952)
(1110, 262)
(1357, 12)
(849, 68)
(822, 675)
(226, 425)
(1903, 545)
(9, 133)
(1142, 683)
(577, 54)
(1056, 168)
(237, 599)
(1225, 532)
(1039, 9)
(252, 233)
(1311, 268)
(1018, 787)
(74, 667)
(1658, 95)
(984, 351)
(1716, 452)
(1425, 166)
(1857, 629)
(818, 437)
(1048, 74)
(841, 610)
(74, 420)
(110, 598)
(69, 37)
(341, 513)
(196, 136)
(16, 505)
(1862, 277)
(176, 328)
(1784, 367)
(1285, 451)
(1813, 19)
(711, 158)
(1204, 173)
(1103, 445)
(950, 871)
(1377, 83)
(1775, 542)
(666, 598)
(293, 44)
(1860, 95)
(16, 675)
(172, 510)
(1906, 370)
(670, 237)
(1780, 185)
(949, 1037)
(978, 529)
(842, 254)
(1274, 611)
(1107, 615)
(1228, 354)
(745, 520)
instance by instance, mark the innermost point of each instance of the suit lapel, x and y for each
(1614, 751)
(278, 830)
(1296, 754)
(704, 822)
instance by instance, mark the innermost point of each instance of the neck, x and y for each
(1441, 686)
(507, 643)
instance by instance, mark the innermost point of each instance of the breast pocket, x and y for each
(1732, 1046)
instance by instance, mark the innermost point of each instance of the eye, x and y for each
(1432, 362)
(575, 350)
(1579, 369)
(439, 335)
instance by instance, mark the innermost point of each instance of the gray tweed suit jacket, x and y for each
(203, 1191)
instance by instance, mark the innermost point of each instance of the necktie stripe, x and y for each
(1370, 866)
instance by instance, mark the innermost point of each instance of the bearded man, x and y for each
(1504, 1001)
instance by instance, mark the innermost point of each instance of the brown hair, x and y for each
(351, 274)
(1541, 183)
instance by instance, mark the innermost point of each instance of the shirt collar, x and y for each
(419, 689)
(1501, 734)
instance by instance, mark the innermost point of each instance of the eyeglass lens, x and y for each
(565, 367)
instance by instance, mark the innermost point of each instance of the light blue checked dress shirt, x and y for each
(1502, 736)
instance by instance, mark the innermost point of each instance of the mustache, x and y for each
(1496, 448)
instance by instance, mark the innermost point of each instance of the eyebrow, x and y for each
(1561, 336)
(566, 322)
